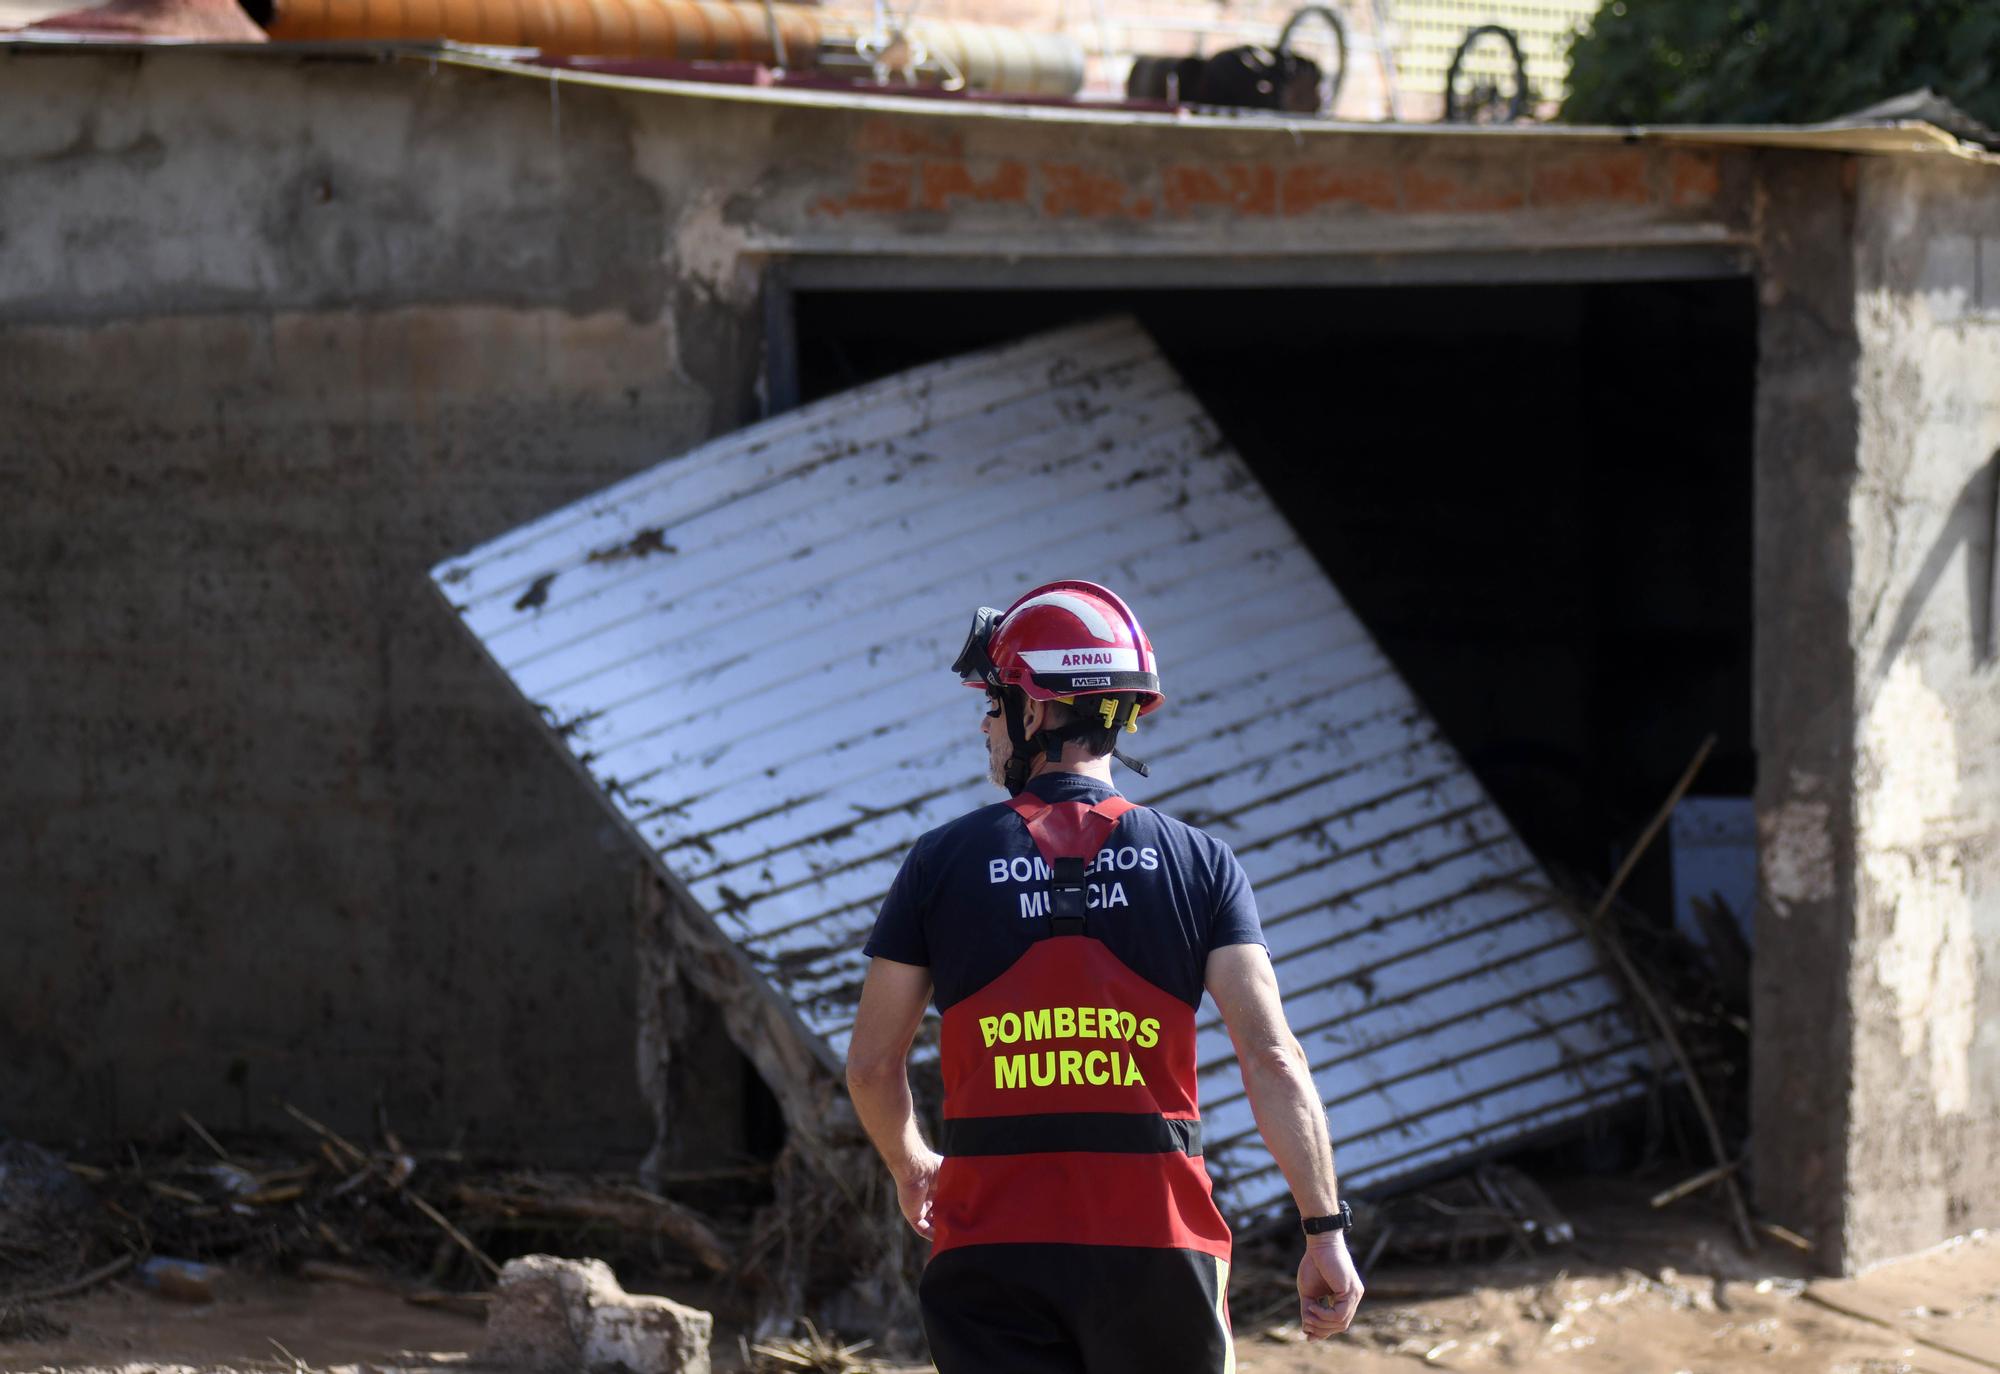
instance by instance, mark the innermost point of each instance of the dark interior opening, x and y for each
(1538, 498)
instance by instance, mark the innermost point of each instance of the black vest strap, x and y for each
(1125, 1133)
(1067, 897)
(1068, 836)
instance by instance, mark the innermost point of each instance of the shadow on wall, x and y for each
(1974, 524)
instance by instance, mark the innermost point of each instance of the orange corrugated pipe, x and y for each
(711, 30)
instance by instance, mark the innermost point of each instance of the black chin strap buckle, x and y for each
(1066, 897)
(1016, 773)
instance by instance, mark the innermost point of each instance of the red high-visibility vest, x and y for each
(1070, 1109)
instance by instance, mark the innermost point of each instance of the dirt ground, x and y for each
(1640, 1291)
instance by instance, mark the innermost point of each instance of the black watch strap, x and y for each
(1339, 1221)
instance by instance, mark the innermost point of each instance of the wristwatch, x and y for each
(1339, 1221)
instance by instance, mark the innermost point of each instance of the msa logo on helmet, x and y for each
(1090, 682)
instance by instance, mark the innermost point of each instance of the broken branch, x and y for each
(75, 1285)
(645, 1213)
(464, 1241)
(1695, 1184)
(325, 1132)
(207, 1139)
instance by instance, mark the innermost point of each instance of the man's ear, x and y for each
(1033, 714)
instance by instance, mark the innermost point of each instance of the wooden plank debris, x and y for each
(640, 1213)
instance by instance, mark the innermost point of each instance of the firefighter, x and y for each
(1067, 936)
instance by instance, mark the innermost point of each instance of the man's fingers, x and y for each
(1330, 1314)
(1344, 1307)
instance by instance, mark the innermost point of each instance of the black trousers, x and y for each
(1077, 1309)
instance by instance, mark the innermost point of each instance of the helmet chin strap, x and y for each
(1022, 761)
(1046, 744)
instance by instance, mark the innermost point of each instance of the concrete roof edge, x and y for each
(1865, 137)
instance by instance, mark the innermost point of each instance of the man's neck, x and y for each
(1098, 769)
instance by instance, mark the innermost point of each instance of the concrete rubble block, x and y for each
(570, 1315)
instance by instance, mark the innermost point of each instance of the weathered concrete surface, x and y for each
(1227, 188)
(1803, 714)
(1877, 1054)
(277, 337)
(1922, 1161)
(571, 1317)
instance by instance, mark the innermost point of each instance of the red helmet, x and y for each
(1063, 639)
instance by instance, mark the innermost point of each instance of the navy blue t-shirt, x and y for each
(968, 901)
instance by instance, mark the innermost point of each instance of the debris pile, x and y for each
(1493, 1213)
(317, 1204)
(45, 1210)
(819, 1353)
(1696, 1000)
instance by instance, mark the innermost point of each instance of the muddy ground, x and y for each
(1639, 1291)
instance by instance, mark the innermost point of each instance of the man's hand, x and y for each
(1327, 1272)
(913, 1191)
(892, 1006)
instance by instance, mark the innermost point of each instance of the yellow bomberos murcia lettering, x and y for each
(1069, 1023)
(1063, 1067)
(1048, 1068)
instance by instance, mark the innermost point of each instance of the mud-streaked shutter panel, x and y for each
(747, 646)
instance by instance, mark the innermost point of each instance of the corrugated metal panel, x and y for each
(746, 647)
(1873, 137)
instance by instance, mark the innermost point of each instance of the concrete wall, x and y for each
(273, 339)
(277, 333)
(1922, 1159)
(1877, 1068)
(1803, 712)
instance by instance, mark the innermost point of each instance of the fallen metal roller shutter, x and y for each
(745, 647)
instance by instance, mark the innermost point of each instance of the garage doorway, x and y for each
(1538, 498)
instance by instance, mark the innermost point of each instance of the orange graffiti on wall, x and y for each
(1072, 189)
(929, 174)
(945, 183)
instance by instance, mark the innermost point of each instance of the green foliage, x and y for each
(1779, 61)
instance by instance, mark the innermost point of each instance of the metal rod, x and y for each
(777, 34)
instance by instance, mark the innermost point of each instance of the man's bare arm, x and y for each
(893, 997)
(1278, 1080)
(1275, 1074)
